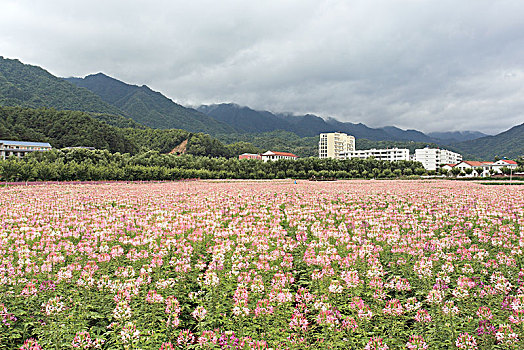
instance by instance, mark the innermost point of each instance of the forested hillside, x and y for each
(31, 86)
(74, 128)
(508, 144)
(247, 120)
(149, 107)
(62, 129)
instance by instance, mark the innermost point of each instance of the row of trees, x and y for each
(83, 164)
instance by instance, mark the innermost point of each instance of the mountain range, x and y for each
(125, 105)
(247, 120)
(149, 107)
(153, 109)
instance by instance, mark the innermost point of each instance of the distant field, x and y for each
(258, 265)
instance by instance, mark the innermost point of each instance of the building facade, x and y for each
(250, 156)
(483, 168)
(477, 168)
(271, 156)
(21, 148)
(434, 158)
(389, 154)
(332, 144)
(504, 163)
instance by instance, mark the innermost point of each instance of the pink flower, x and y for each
(154, 298)
(466, 342)
(393, 308)
(185, 337)
(199, 313)
(83, 340)
(423, 316)
(484, 313)
(31, 344)
(416, 342)
(376, 343)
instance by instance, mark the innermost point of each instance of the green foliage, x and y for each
(73, 129)
(94, 165)
(456, 171)
(276, 141)
(61, 129)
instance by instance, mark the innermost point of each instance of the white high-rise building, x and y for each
(434, 158)
(332, 144)
(389, 154)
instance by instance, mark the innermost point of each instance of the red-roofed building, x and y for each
(448, 167)
(483, 168)
(478, 168)
(504, 163)
(250, 156)
(269, 155)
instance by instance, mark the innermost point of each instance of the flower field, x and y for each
(262, 265)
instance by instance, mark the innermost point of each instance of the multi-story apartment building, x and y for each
(390, 154)
(332, 144)
(21, 148)
(434, 158)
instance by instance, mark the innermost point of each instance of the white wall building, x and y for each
(482, 168)
(269, 155)
(389, 154)
(433, 158)
(332, 144)
(504, 163)
(478, 168)
(21, 148)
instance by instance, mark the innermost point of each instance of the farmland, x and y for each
(262, 265)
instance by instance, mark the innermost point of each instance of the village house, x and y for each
(504, 163)
(478, 168)
(21, 148)
(250, 156)
(269, 155)
(482, 169)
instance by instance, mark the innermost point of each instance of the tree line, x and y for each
(95, 165)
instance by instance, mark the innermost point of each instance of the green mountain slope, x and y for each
(31, 86)
(149, 107)
(509, 144)
(247, 120)
(74, 128)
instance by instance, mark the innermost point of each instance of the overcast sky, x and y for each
(436, 65)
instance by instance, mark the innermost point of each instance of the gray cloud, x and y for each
(428, 65)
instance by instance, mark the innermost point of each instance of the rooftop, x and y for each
(508, 161)
(475, 163)
(283, 154)
(24, 143)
